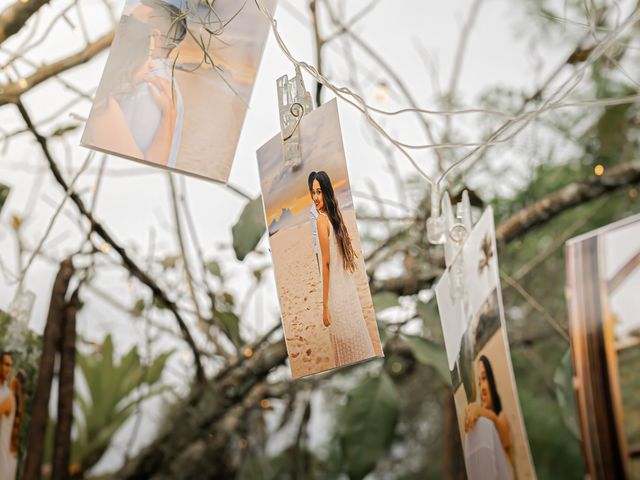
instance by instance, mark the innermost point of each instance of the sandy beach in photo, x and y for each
(300, 291)
(205, 131)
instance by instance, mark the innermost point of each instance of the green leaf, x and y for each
(138, 308)
(4, 193)
(159, 303)
(384, 300)
(424, 310)
(61, 131)
(113, 393)
(430, 353)
(367, 425)
(213, 268)
(249, 228)
(230, 325)
(154, 371)
(170, 261)
(563, 381)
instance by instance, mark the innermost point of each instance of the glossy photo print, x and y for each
(177, 84)
(494, 439)
(322, 283)
(603, 286)
(20, 351)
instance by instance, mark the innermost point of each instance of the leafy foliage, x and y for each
(115, 389)
(27, 358)
(367, 424)
(430, 353)
(249, 228)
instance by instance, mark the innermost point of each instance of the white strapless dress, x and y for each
(8, 462)
(350, 338)
(484, 456)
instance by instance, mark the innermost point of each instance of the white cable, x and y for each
(553, 102)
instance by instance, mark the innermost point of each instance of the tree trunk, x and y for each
(453, 463)
(62, 442)
(40, 411)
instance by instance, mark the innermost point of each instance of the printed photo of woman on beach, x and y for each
(341, 310)
(322, 284)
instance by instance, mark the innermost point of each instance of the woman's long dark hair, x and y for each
(495, 397)
(335, 217)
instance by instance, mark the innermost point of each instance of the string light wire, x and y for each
(521, 121)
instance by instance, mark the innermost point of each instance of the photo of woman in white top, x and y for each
(488, 444)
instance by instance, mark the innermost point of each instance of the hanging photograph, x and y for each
(322, 283)
(177, 84)
(603, 279)
(494, 439)
(20, 351)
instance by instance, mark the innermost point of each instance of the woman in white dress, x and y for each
(488, 444)
(341, 309)
(8, 460)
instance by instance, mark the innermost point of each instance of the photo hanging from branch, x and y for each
(494, 439)
(177, 84)
(20, 351)
(603, 275)
(321, 278)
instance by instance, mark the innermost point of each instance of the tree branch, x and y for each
(11, 92)
(14, 17)
(518, 224)
(569, 196)
(51, 339)
(187, 440)
(127, 261)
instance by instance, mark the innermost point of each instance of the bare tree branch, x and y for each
(12, 92)
(569, 196)
(127, 261)
(14, 17)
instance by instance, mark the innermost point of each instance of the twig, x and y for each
(559, 241)
(535, 304)
(11, 93)
(187, 268)
(569, 196)
(106, 236)
(52, 221)
(14, 17)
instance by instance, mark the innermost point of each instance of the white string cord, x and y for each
(570, 84)
(517, 122)
(341, 92)
(67, 194)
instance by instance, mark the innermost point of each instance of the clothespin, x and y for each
(445, 227)
(293, 101)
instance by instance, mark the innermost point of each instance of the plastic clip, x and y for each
(451, 230)
(293, 102)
